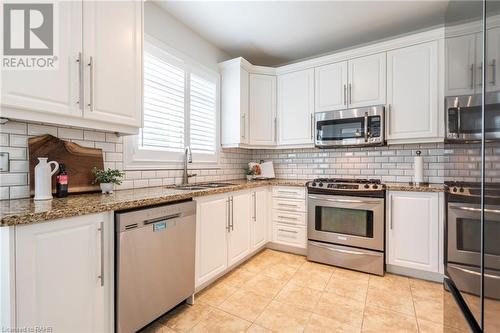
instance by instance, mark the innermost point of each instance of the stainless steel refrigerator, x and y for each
(472, 167)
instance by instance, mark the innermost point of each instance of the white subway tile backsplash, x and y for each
(10, 179)
(18, 192)
(112, 137)
(4, 139)
(14, 127)
(37, 129)
(70, 133)
(18, 166)
(4, 193)
(106, 146)
(15, 153)
(94, 136)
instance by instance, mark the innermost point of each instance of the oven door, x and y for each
(364, 126)
(464, 235)
(351, 221)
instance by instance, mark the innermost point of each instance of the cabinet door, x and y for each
(260, 216)
(413, 230)
(460, 65)
(331, 87)
(262, 110)
(50, 92)
(211, 232)
(412, 92)
(367, 81)
(57, 274)
(112, 45)
(296, 107)
(238, 245)
(492, 58)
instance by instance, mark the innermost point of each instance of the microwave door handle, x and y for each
(475, 273)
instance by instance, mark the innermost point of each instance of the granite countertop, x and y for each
(27, 211)
(414, 188)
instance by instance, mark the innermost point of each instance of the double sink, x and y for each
(204, 186)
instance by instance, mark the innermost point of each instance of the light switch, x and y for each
(4, 162)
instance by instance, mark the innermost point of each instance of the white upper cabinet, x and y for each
(492, 58)
(49, 92)
(413, 230)
(367, 81)
(262, 110)
(98, 83)
(113, 60)
(234, 104)
(331, 87)
(461, 65)
(412, 93)
(296, 108)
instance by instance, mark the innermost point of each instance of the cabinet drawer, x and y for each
(290, 235)
(289, 192)
(289, 217)
(289, 205)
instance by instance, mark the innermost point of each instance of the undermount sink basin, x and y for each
(189, 187)
(201, 186)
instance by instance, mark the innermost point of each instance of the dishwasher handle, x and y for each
(162, 219)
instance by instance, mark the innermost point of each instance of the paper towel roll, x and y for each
(418, 166)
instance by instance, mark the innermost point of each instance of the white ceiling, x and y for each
(278, 32)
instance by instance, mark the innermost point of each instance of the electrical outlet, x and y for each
(4, 162)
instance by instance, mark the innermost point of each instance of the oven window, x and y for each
(469, 236)
(470, 119)
(345, 221)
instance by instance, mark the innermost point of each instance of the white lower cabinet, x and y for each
(238, 245)
(61, 281)
(289, 227)
(260, 213)
(229, 228)
(413, 230)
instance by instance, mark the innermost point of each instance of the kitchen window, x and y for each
(181, 108)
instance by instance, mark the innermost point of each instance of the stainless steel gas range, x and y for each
(346, 223)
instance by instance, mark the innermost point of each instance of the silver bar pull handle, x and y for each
(480, 83)
(101, 232)
(345, 94)
(345, 200)
(289, 231)
(80, 81)
(228, 214)
(232, 214)
(493, 72)
(91, 66)
(366, 127)
(472, 76)
(471, 209)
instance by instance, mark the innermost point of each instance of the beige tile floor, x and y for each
(281, 292)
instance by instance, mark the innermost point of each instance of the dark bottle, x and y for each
(62, 182)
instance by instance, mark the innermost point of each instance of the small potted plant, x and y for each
(107, 178)
(252, 170)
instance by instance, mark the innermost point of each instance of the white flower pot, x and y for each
(106, 188)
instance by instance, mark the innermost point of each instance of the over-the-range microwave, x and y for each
(350, 127)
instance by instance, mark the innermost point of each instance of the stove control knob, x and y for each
(320, 184)
(313, 184)
(454, 189)
(375, 186)
(461, 190)
(367, 186)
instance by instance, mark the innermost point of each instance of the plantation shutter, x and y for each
(203, 115)
(164, 105)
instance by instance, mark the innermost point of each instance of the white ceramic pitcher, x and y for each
(43, 178)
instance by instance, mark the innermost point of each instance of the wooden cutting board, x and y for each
(78, 161)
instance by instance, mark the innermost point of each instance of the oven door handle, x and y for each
(345, 251)
(472, 209)
(474, 272)
(344, 200)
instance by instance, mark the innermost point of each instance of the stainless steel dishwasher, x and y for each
(155, 260)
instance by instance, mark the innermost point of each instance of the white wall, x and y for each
(164, 27)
